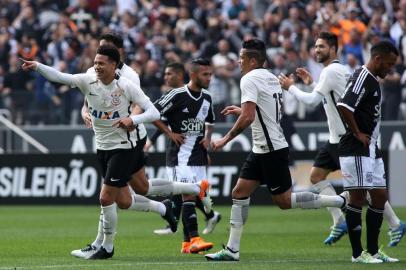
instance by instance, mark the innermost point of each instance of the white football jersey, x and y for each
(262, 87)
(108, 104)
(127, 72)
(331, 85)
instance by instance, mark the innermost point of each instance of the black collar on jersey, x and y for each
(334, 62)
(120, 65)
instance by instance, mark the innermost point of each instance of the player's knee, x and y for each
(314, 179)
(237, 193)
(105, 200)
(123, 204)
(283, 203)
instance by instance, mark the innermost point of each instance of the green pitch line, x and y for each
(42, 238)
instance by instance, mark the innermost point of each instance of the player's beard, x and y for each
(200, 84)
(321, 58)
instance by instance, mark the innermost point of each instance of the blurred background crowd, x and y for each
(64, 34)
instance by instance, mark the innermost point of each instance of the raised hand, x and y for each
(232, 109)
(286, 81)
(28, 65)
(305, 75)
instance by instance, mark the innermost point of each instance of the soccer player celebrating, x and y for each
(174, 78)
(268, 162)
(329, 89)
(189, 113)
(360, 159)
(109, 97)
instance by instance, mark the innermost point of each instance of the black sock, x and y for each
(190, 218)
(186, 237)
(374, 221)
(354, 224)
(177, 200)
(200, 206)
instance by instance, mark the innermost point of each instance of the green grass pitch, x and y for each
(33, 237)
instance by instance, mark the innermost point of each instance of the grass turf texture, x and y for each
(34, 237)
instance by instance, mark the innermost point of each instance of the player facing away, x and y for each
(360, 159)
(189, 113)
(328, 90)
(268, 162)
(174, 76)
(110, 98)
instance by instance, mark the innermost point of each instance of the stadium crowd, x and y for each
(64, 34)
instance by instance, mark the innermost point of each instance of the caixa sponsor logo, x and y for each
(104, 115)
(45, 181)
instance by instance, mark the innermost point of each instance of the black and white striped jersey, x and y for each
(362, 96)
(187, 113)
(262, 87)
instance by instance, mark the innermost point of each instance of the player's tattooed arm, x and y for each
(245, 119)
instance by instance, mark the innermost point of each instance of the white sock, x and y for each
(388, 214)
(325, 188)
(163, 187)
(141, 203)
(109, 226)
(100, 235)
(239, 215)
(308, 200)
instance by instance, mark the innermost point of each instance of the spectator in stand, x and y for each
(392, 92)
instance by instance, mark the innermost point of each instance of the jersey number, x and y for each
(278, 106)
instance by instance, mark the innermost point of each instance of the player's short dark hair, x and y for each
(114, 38)
(384, 47)
(177, 67)
(330, 38)
(110, 51)
(255, 48)
(196, 63)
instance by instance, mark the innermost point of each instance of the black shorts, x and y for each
(271, 169)
(120, 164)
(327, 157)
(140, 145)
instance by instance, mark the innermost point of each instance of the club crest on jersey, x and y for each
(104, 115)
(115, 96)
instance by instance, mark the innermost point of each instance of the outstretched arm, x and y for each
(49, 73)
(313, 98)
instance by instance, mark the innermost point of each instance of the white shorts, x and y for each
(362, 172)
(187, 174)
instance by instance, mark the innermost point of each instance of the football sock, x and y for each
(388, 214)
(325, 188)
(190, 217)
(163, 187)
(100, 235)
(238, 217)
(309, 200)
(177, 200)
(109, 226)
(141, 203)
(186, 237)
(374, 221)
(354, 224)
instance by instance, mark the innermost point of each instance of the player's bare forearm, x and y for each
(245, 119)
(349, 119)
(161, 125)
(209, 132)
